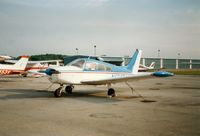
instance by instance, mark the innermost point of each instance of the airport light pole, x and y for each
(158, 53)
(76, 51)
(161, 60)
(179, 55)
(177, 61)
(95, 50)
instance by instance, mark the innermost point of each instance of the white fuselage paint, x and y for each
(78, 77)
(73, 75)
(10, 67)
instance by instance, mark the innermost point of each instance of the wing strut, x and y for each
(143, 99)
(133, 90)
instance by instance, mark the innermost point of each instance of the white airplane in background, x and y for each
(143, 68)
(86, 71)
(3, 57)
(37, 68)
(17, 68)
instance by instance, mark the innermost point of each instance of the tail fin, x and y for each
(134, 63)
(152, 65)
(57, 63)
(22, 62)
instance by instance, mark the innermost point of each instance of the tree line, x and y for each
(46, 57)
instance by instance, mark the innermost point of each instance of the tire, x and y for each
(24, 74)
(68, 89)
(58, 93)
(111, 92)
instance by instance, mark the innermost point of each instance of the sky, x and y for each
(115, 27)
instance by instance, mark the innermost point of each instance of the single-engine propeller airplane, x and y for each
(86, 71)
(37, 68)
(143, 68)
(17, 68)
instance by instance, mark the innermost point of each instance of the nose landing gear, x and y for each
(68, 90)
(58, 92)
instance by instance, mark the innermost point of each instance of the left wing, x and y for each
(34, 62)
(118, 79)
(45, 61)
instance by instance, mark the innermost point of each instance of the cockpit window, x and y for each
(77, 63)
(90, 66)
(96, 66)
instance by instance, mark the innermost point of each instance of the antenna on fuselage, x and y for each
(89, 57)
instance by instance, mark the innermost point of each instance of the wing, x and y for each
(34, 62)
(119, 79)
(11, 61)
(46, 61)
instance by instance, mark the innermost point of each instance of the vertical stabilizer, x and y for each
(134, 63)
(21, 64)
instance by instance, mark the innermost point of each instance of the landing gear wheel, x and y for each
(58, 92)
(111, 92)
(68, 89)
(24, 75)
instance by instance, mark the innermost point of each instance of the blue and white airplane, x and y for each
(86, 71)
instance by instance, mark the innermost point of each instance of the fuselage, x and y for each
(10, 69)
(76, 77)
(88, 70)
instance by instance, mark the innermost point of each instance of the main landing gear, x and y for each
(111, 92)
(68, 90)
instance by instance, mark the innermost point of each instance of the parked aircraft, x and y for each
(86, 71)
(3, 57)
(17, 68)
(143, 68)
(37, 68)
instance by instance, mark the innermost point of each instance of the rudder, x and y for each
(22, 62)
(134, 63)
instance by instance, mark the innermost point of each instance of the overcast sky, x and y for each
(116, 27)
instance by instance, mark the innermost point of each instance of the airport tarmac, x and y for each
(172, 108)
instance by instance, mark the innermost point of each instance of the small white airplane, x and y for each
(143, 68)
(37, 68)
(17, 68)
(86, 71)
(3, 57)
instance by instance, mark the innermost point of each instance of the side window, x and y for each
(90, 66)
(95, 66)
(101, 67)
(108, 68)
